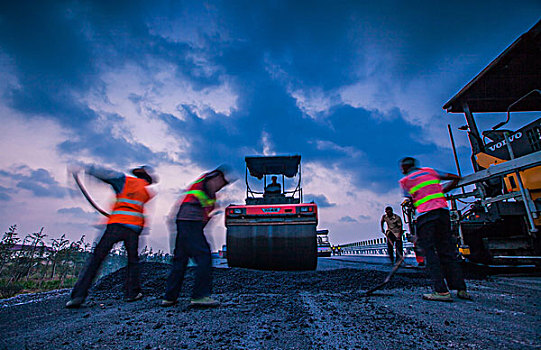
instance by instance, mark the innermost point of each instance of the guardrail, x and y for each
(377, 246)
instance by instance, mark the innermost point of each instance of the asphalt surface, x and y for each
(322, 309)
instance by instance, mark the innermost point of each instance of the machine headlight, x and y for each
(235, 211)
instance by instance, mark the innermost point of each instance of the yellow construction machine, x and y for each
(501, 222)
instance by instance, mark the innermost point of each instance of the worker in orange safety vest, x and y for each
(125, 222)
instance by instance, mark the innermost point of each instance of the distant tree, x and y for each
(8, 242)
(59, 246)
(27, 257)
(81, 255)
(145, 254)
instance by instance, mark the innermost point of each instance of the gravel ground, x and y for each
(322, 309)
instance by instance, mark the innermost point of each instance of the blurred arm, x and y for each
(114, 178)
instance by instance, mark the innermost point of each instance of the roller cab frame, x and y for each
(273, 230)
(501, 224)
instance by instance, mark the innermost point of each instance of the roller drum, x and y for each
(272, 247)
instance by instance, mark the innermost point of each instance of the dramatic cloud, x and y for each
(347, 218)
(320, 200)
(39, 182)
(186, 86)
(77, 213)
(364, 218)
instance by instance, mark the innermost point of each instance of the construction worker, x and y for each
(194, 213)
(393, 233)
(422, 186)
(125, 223)
(274, 187)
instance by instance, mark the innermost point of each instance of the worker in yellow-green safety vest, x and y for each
(194, 213)
(422, 186)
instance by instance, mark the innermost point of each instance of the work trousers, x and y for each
(441, 251)
(113, 233)
(190, 243)
(393, 242)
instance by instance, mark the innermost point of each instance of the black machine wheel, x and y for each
(272, 247)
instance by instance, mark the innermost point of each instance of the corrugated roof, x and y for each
(513, 74)
(262, 165)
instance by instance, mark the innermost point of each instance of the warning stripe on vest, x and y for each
(423, 184)
(202, 197)
(428, 198)
(130, 201)
(130, 213)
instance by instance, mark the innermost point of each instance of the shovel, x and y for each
(387, 279)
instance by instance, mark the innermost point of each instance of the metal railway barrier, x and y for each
(377, 246)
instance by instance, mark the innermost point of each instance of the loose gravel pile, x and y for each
(244, 281)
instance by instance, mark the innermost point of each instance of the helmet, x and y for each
(146, 173)
(409, 162)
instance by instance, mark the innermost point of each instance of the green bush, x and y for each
(40, 267)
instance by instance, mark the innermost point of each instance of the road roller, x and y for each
(274, 229)
(323, 245)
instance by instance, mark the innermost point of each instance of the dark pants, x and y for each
(113, 233)
(440, 249)
(190, 243)
(393, 242)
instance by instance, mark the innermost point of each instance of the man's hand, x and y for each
(452, 184)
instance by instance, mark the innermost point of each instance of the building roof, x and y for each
(513, 74)
(280, 165)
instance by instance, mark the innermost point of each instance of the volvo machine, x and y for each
(499, 220)
(274, 229)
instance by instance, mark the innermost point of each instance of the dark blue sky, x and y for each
(187, 85)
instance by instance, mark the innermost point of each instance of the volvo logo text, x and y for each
(511, 138)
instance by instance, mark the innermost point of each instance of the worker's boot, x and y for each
(74, 303)
(204, 302)
(438, 296)
(139, 296)
(167, 303)
(462, 294)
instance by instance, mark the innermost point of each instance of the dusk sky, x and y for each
(184, 86)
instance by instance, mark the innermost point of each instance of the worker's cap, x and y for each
(146, 173)
(409, 162)
(225, 171)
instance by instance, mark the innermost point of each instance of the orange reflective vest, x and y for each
(129, 206)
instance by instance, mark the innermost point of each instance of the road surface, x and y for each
(322, 309)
